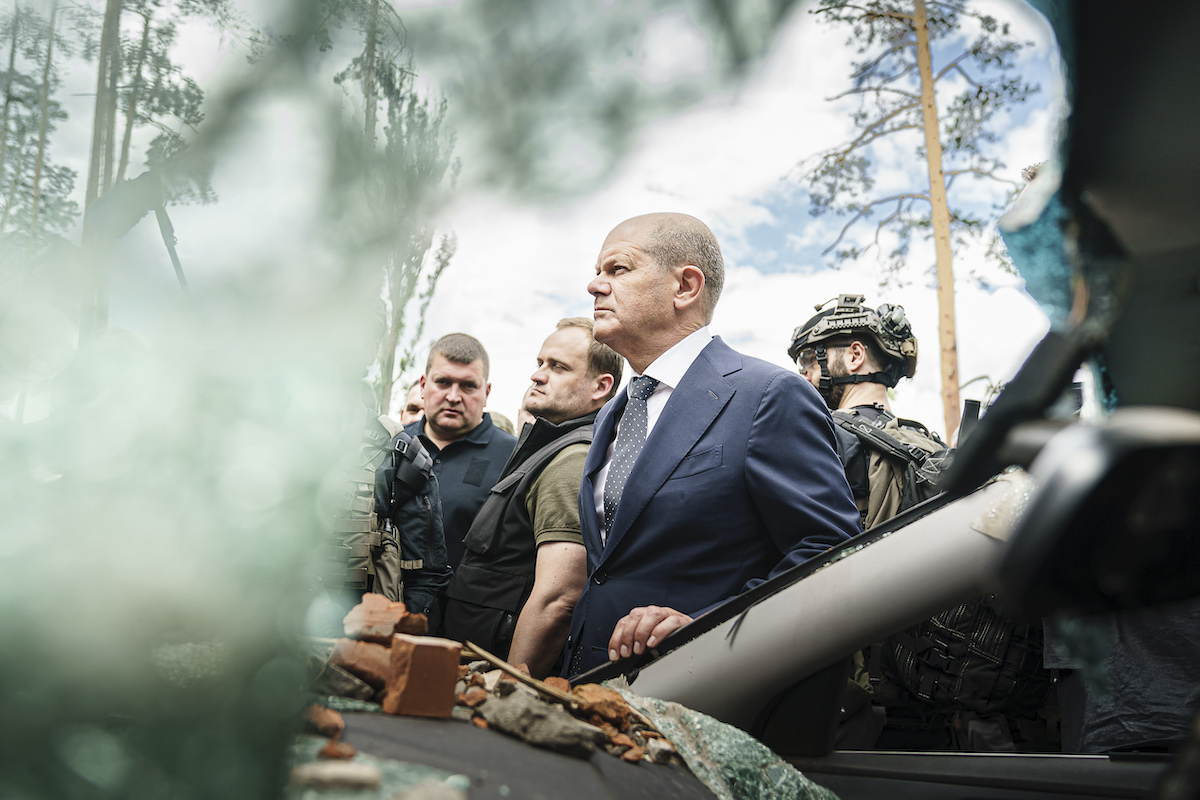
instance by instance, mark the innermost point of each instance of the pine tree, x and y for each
(138, 85)
(402, 174)
(415, 160)
(897, 89)
(36, 208)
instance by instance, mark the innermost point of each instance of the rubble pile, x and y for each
(386, 658)
(552, 715)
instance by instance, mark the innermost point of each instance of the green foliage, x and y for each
(977, 55)
(21, 115)
(415, 160)
(156, 94)
(402, 175)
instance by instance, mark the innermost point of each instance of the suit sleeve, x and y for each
(794, 476)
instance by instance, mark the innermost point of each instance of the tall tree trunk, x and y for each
(110, 113)
(109, 40)
(42, 120)
(369, 70)
(94, 311)
(12, 64)
(134, 91)
(941, 224)
(391, 337)
(18, 171)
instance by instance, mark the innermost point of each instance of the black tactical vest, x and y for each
(495, 578)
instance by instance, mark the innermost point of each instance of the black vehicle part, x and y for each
(1114, 523)
(499, 765)
(803, 719)
(1042, 379)
(980, 776)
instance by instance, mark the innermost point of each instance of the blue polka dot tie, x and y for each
(630, 439)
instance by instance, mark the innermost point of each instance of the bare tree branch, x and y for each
(950, 65)
(865, 210)
(869, 13)
(869, 66)
(877, 90)
(952, 174)
(970, 80)
(861, 142)
(895, 112)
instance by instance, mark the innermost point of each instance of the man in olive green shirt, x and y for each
(525, 563)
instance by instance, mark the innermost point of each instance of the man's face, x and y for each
(810, 369)
(633, 296)
(561, 388)
(454, 397)
(413, 406)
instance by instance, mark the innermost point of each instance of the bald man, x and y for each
(711, 472)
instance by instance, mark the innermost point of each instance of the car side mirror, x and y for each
(1115, 521)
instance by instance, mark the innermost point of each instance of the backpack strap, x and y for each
(912, 424)
(412, 467)
(412, 463)
(877, 438)
(481, 537)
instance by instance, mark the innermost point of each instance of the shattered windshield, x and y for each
(229, 231)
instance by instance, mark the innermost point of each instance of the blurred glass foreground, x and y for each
(157, 509)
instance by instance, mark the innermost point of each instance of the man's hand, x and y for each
(642, 628)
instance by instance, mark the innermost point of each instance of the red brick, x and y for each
(335, 748)
(623, 740)
(523, 668)
(324, 721)
(479, 722)
(472, 697)
(421, 676)
(376, 619)
(555, 682)
(608, 703)
(413, 624)
(366, 660)
(634, 753)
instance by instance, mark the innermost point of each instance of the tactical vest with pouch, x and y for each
(496, 576)
(904, 462)
(387, 529)
(971, 657)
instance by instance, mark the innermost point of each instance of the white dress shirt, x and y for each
(668, 369)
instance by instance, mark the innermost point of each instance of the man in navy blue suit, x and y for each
(711, 472)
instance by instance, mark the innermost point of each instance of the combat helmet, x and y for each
(886, 326)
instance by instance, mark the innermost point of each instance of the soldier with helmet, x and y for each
(853, 354)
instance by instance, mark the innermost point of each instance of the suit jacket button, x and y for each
(599, 578)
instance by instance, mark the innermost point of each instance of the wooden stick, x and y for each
(533, 683)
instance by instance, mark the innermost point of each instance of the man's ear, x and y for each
(422, 387)
(487, 391)
(857, 354)
(603, 385)
(689, 286)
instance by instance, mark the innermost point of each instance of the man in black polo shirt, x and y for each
(468, 451)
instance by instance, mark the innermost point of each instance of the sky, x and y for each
(732, 161)
(729, 162)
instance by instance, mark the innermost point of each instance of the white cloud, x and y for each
(519, 269)
(731, 161)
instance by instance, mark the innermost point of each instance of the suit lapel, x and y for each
(601, 438)
(690, 411)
